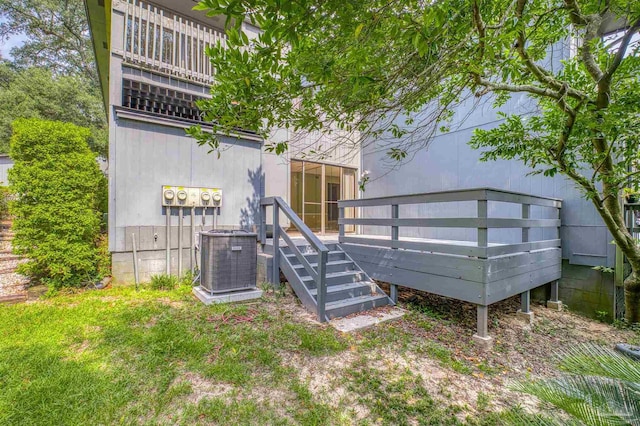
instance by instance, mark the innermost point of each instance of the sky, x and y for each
(11, 42)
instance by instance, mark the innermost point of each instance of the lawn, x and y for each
(120, 356)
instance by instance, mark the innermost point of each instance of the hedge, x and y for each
(59, 192)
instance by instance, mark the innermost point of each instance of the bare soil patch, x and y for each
(433, 342)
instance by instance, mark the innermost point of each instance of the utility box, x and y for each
(228, 261)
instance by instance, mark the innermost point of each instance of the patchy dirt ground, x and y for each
(433, 342)
(144, 356)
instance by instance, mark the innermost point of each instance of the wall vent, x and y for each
(159, 100)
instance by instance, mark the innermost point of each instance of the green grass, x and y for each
(397, 397)
(159, 357)
(113, 357)
(444, 355)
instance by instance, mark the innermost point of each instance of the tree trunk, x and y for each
(632, 298)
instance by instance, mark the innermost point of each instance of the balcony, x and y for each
(158, 39)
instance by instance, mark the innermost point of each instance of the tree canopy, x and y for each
(395, 71)
(52, 74)
(57, 35)
(37, 93)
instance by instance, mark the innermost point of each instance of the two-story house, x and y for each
(153, 67)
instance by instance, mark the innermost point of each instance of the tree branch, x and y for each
(575, 13)
(617, 60)
(529, 88)
(541, 74)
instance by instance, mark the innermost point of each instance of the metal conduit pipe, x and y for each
(167, 211)
(192, 238)
(180, 213)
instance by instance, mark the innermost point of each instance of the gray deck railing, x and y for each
(482, 222)
(631, 218)
(319, 274)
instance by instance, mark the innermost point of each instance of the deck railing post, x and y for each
(340, 225)
(395, 235)
(275, 278)
(526, 214)
(263, 225)
(321, 285)
(395, 231)
(483, 233)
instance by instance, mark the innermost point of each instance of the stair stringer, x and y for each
(296, 283)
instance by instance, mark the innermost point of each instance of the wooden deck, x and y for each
(458, 276)
(479, 272)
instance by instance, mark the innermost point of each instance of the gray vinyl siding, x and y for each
(146, 156)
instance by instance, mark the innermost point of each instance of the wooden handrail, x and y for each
(319, 276)
(473, 194)
(482, 222)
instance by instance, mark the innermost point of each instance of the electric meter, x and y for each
(184, 196)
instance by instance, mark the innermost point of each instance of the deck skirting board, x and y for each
(503, 289)
(478, 281)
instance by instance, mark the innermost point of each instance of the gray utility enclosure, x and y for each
(480, 272)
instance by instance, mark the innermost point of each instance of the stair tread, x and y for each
(353, 301)
(313, 254)
(335, 274)
(341, 287)
(332, 263)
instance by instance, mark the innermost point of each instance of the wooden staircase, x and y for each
(348, 288)
(324, 277)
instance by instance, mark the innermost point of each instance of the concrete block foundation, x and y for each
(555, 305)
(525, 316)
(150, 263)
(265, 268)
(483, 343)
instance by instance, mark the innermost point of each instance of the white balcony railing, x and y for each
(159, 39)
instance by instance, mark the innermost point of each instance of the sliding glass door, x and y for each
(315, 191)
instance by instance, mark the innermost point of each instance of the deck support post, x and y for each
(275, 278)
(525, 312)
(394, 293)
(555, 303)
(482, 338)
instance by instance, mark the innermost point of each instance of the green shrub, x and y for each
(104, 257)
(58, 197)
(600, 386)
(164, 282)
(187, 279)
